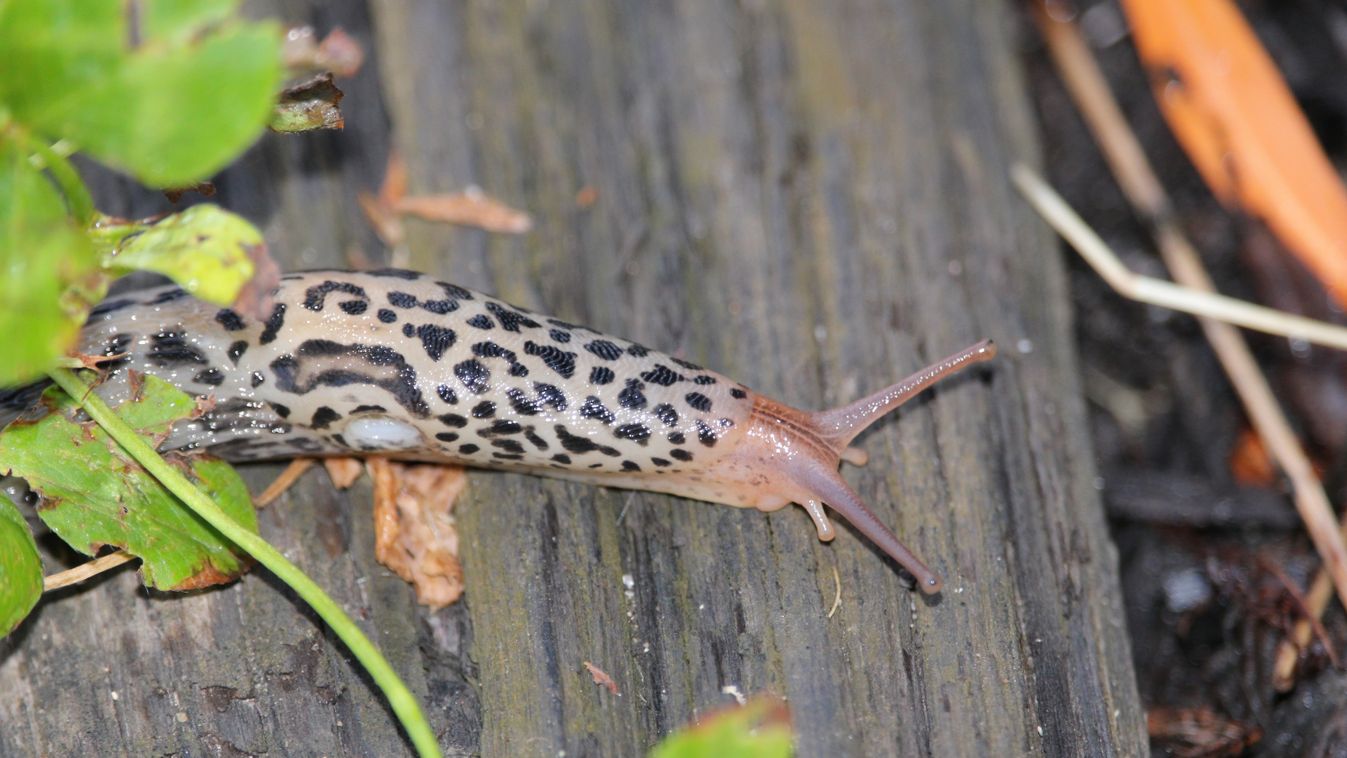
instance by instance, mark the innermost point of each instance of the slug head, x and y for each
(789, 455)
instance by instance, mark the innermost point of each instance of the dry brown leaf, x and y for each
(471, 207)
(344, 471)
(414, 533)
(1193, 732)
(601, 678)
(1234, 115)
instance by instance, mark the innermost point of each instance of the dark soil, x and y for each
(1203, 556)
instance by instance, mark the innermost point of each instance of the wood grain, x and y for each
(812, 199)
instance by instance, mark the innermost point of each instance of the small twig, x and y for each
(1144, 289)
(1303, 605)
(1288, 650)
(283, 482)
(86, 570)
(837, 596)
(1143, 189)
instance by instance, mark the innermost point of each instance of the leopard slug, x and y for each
(396, 363)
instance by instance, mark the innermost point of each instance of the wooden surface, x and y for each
(809, 198)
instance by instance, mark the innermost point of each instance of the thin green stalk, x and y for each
(399, 697)
(68, 179)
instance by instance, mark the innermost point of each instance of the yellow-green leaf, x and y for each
(20, 568)
(204, 248)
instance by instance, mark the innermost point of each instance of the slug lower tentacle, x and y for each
(396, 363)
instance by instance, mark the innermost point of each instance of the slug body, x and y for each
(396, 363)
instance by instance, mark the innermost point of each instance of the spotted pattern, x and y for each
(480, 381)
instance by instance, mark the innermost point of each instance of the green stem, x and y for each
(399, 697)
(68, 179)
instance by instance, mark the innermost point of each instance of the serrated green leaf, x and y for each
(170, 95)
(95, 495)
(204, 248)
(20, 568)
(41, 254)
(758, 729)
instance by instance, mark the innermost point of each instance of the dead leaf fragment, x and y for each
(1237, 120)
(414, 532)
(344, 471)
(471, 207)
(312, 104)
(1194, 732)
(256, 298)
(601, 678)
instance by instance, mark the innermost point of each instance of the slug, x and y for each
(396, 363)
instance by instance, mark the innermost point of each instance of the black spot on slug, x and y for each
(484, 409)
(387, 316)
(509, 446)
(396, 273)
(660, 461)
(388, 370)
(559, 335)
(435, 339)
(211, 376)
(474, 375)
(170, 348)
(630, 466)
(452, 420)
(501, 426)
(447, 394)
(562, 458)
(576, 444)
(323, 417)
(698, 401)
(231, 321)
(481, 321)
(534, 439)
(446, 436)
(510, 320)
(468, 449)
(273, 324)
(689, 365)
(558, 360)
(666, 413)
(168, 296)
(631, 396)
(353, 307)
(639, 351)
(550, 395)
(257, 379)
(604, 349)
(281, 410)
(705, 434)
(601, 375)
(401, 299)
(236, 351)
(638, 433)
(681, 454)
(440, 307)
(315, 296)
(595, 409)
(705, 379)
(662, 375)
(455, 291)
(368, 409)
(676, 438)
(737, 393)
(523, 404)
(110, 306)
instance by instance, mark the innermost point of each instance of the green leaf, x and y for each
(758, 729)
(20, 568)
(170, 94)
(41, 254)
(95, 495)
(204, 248)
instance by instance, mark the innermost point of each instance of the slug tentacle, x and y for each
(793, 456)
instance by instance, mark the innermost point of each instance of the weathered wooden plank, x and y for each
(808, 197)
